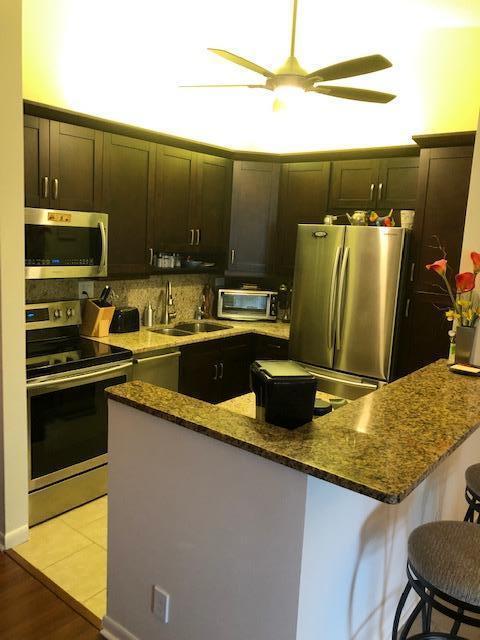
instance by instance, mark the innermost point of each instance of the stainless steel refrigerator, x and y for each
(346, 304)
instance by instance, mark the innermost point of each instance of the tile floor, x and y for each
(72, 551)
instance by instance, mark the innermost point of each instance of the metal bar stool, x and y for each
(472, 493)
(444, 571)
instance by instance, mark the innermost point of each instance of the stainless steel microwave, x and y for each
(247, 304)
(65, 244)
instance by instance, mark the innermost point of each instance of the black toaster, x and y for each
(125, 320)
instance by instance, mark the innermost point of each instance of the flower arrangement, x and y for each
(463, 310)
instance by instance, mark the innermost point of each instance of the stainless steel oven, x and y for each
(247, 304)
(67, 409)
(65, 244)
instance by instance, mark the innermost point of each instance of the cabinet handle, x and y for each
(232, 256)
(55, 189)
(192, 236)
(45, 187)
(407, 308)
(220, 377)
(380, 187)
(151, 256)
(215, 368)
(412, 272)
(197, 241)
(372, 189)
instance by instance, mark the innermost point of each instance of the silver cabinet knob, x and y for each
(57, 314)
(70, 312)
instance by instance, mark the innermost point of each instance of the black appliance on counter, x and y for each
(284, 392)
(125, 320)
(67, 409)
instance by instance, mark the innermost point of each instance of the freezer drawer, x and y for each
(342, 385)
(159, 369)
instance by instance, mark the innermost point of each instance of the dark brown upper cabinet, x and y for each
(174, 205)
(303, 198)
(191, 202)
(128, 198)
(63, 165)
(253, 217)
(212, 203)
(389, 183)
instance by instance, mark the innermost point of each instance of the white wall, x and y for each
(250, 549)
(13, 421)
(471, 235)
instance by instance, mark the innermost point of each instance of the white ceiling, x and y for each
(124, 60)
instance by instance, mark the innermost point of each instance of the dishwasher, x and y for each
(157, 368)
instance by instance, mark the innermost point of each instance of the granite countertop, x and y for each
(382, 445)
(146, 340)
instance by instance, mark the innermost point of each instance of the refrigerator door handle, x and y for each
(347, 381)
(333, 295)
(341, 296)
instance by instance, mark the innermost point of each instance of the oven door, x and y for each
(245, 305)
(65, 244)
(68, 423)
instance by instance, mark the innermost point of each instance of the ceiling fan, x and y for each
(292, 77)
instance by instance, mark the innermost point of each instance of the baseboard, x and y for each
(114, 631)
(12, 538)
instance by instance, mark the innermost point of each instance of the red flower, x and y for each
(465, 282)
(476, 261)
(439, 266)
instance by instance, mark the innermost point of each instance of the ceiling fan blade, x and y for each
(223, 86)
(349, 93)
(350, 68)
(232, 57)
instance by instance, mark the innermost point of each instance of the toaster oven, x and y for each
(247, 304)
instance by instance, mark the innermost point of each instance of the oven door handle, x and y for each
(103, 257)
(99, 374)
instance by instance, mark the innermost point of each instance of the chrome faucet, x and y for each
(169, 309)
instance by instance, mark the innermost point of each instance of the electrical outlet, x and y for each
(85, 289)
(161, 604)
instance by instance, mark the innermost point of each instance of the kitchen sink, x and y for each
(200, 327)
(171, 331)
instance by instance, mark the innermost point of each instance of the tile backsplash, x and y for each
(186, 289)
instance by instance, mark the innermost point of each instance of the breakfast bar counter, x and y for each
(254, 532)
(382, 445)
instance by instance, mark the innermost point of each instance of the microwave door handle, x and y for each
(103, 258)
(333, 295)
(341, 295)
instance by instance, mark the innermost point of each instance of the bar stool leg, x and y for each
(426, 617)
(398, 612)
(469, 514)
(456, 624)
(413, 616)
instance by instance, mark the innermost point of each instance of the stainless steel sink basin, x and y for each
(201, 327)
(171, 331)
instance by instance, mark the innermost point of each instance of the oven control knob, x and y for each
(70, 312)
(57, 314)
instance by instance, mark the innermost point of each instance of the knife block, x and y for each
(96, 319)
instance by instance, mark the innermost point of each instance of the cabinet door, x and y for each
(212, 203)
(234, 367)
(303, 199)
(128, 189)
(354, 184)
(75, 167)
(269, 348)
(36, 146)
(199, 371)
(253, 217)
(397, 183)
(440, 212)
(173, 229)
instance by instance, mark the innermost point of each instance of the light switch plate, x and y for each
(161, 604)
(85, 287)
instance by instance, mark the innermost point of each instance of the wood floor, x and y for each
(30, 611)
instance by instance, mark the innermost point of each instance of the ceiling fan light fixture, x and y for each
(287, 96)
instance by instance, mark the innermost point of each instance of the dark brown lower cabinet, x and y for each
(267, 348)
(216, 370)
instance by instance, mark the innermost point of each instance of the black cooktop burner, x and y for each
(61, 354)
